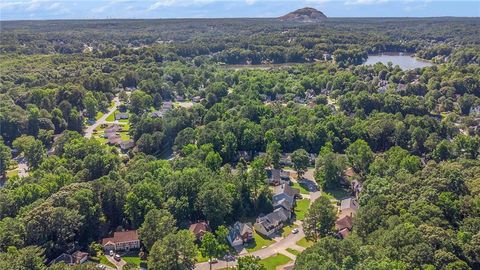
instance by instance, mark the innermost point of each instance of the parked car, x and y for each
(295, 231)
(117, 257)
(111, 253)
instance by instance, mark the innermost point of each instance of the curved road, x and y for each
(103, 119)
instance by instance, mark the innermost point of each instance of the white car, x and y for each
(295, 231)
(117, 257)
(111, 253)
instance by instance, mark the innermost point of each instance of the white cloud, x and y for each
(250, 2)
(179, 3)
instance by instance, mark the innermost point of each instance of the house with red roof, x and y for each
(120, 241)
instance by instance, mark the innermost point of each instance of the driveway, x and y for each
(118, 264)
(103, 119)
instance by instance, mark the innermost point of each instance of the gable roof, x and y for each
(344, 222)
(120, 237)
(349, 203)
(283, 203)
(198, 227)
(286, 189)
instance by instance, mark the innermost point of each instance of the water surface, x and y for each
(404, 61)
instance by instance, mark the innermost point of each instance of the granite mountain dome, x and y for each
(304, 15)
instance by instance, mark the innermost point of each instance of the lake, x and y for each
(404, 61)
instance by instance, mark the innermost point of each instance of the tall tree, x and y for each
(329, 167)
(158, 223)
(250, 263)
(300, 161)
(5, 157)
(359, 156)
(320, 219)
(210, 247)
(274, 151)
(173, 252)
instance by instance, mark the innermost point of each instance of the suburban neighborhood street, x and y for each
(89, 130)
(279, 246)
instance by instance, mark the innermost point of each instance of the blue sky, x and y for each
(101, 9)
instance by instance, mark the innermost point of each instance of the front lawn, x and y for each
(286, 230)
(301, 208)
(111, 117)
(99, 115)
(272, 262)
(105, 261)
(304, 243)
(258, 242)
(302, 189)
(132, 259)
(293, 251)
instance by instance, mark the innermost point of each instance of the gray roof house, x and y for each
(276, 177)
(121, 116)
(285, 191)
(240, 233)
(271, 223)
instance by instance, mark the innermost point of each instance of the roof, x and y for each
(120, 237)
(349, 203)
(199, 227)
(238, 230)
(64, 257)
(78, 256)
(127, 144)
(287, 189)
(344, 233)
(344, 222)
(283, 203)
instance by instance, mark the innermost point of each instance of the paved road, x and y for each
(277, 247)
(103, 119)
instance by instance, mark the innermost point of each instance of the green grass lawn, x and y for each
(12, 173)
(272, 262)
(301, 208)
(287, 230)
(302, 189)
(124, 135)
(304, 243)
(111, 117)
(99, 115)
(105, 261)
(132, 259)
(338, 193)
(293, 251)
(200, 258)
(258, 242)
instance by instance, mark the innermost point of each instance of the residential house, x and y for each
(240, 234)
(196, 99)
(277, 176)
(285, 160)
(77, 257)
(348, 207)
(127, 145)
(120, 241)
(285, 191)
(166, 106)
(344, 226)
(199, 229)
(121, 116)
(268, 225)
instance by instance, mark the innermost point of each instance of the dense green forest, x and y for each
(255, 86)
